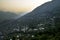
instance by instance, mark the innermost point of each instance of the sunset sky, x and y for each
(20, 5)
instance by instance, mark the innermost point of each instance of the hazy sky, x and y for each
(20, 5)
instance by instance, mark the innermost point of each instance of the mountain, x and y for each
(47, 10)
(40, 16)
(6, 15)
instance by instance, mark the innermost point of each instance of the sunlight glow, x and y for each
(20, 5)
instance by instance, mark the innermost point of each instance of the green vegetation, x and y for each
(37, 36)
(41, 32)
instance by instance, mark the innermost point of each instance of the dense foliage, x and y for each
(50, 33)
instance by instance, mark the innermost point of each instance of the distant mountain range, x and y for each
(7, 15)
